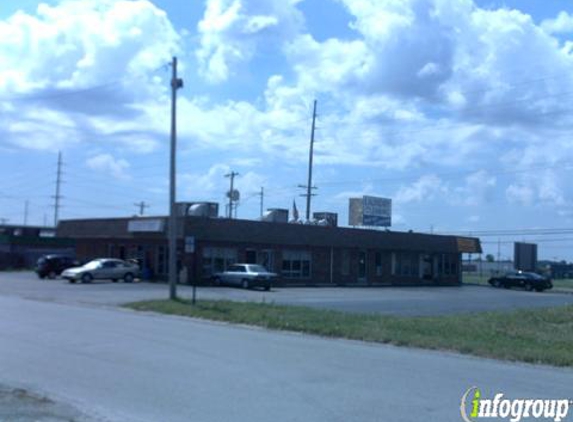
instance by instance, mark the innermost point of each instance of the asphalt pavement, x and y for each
(117, 365)
(405, 301)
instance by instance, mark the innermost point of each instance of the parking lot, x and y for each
(385, 300)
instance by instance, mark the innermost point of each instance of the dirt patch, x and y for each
(19, 405)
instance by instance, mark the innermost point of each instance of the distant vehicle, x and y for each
(103, 268)
(52, 265)
(525, 280)
(246, 276)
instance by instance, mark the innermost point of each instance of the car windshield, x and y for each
(92, 265)
(257, 269)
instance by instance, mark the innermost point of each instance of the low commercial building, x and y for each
(301, 254)
(21, 246)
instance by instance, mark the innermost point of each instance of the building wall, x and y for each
(326, 266)
(300, 254)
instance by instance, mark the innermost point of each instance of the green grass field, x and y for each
(536, 336)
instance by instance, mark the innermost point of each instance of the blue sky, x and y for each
(458, 110)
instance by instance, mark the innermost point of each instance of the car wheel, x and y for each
(128, 278)
(245, 284)
(217, 281)
(114, 280)
(41, 277)
(528, 287)
(539, 289)
(52, 275)
(87, 278)
(496, 284)
(72, 280)
(267, 287)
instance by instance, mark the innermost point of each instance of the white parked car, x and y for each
(246, 276)
(104, 268)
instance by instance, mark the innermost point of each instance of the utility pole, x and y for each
(499, 255)
(26, 213)
(262, 195)
(309, 186)
(141, 205)
(176, 83)
(57, 197)
(231, 192)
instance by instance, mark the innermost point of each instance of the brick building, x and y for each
(21, 246)
(301, 254)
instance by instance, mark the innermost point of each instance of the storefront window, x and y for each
(217, 260)
(296, 264)
(161, 266)
(378, 263)
(345, 265)
(406, 264)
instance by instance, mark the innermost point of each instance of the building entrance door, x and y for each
(251, 256)
(362, 267)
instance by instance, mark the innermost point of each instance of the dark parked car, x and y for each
(53, 265)
(525, 280)
(246, 276)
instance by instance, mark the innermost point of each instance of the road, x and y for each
(406, 301)
(122, 366)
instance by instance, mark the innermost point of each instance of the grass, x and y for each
(535, 336)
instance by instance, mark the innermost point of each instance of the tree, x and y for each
(489, 258)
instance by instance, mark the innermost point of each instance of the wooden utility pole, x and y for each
(141, 205)
(262, 195)
(26, 213)
(309, 186)
(57, 196)
(231, 192)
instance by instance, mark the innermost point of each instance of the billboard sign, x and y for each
(376, 211)
(525, 256)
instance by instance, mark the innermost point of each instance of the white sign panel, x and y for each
(151, 225)
(376, 211)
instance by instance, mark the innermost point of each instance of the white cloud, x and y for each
(563, 23)
(231, 31)
(474, 219)
(213, 185)
(106, 163)
(424, 189)
(479, 189)
(73, 67)
(520, 194)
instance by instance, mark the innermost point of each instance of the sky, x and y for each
(460, 111)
